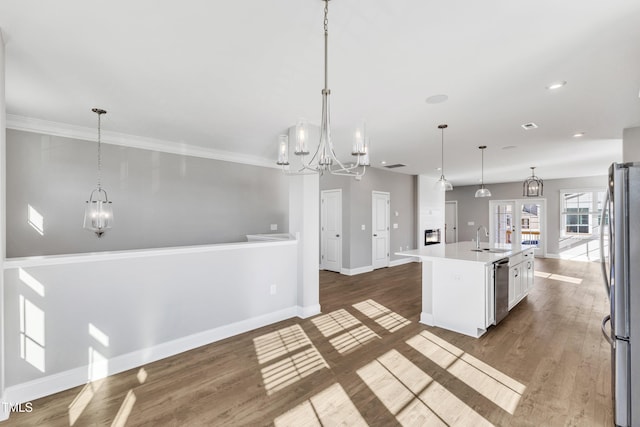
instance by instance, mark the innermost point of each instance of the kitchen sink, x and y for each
(491, 250)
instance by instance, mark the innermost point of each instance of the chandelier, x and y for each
(324, 157)
(98, 214)
(532, 186)
(442, 184)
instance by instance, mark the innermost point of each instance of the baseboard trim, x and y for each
(354, 271)
(308, 311)
(50, 384)
(401, 261)
(554, 256)
(426, 318)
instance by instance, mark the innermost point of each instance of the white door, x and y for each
(451, 222)
(331, 230)
(521, 221)
(380, 229)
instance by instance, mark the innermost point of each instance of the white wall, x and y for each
(631, 145)
(150, 304)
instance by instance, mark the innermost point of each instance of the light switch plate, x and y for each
(471, 223)
(395, 225)
(363, 227)
(274, 227)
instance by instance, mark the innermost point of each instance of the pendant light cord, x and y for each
(99, 155)
(442, 151)
(326, 45)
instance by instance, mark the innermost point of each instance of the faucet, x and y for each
(486, 233)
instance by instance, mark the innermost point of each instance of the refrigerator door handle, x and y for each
(606, 319)
(603, 264)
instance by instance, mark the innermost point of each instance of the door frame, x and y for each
(541, 251)
(322, 231)
(455, 226)
(388, 225)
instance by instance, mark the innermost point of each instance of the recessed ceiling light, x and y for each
(578, 134)
(530, 125)
(438, 169)
(437, 99)
(556, 85)
(383, 162)
(509, 147)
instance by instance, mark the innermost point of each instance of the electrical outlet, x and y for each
(401, 248)
(362, 227)
(273, 290)
(274, 227)
(470, 223)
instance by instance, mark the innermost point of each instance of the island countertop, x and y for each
(464, 251)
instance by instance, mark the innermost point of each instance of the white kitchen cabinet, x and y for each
(521, 267)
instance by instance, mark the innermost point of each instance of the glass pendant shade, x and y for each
(532, 186)
(283, 150)
(482, 191)
(98, 214)
(302, 136)
(443, 185)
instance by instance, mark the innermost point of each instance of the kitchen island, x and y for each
(458, 283)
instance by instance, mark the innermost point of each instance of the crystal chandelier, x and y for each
(532, 186)
(98, 214)
(324, 158)
(442, 184)
(482, 191)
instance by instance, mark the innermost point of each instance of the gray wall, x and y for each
(477, 210)
(356, 211)
(159, 199)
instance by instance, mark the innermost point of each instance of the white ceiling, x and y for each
(233, 75)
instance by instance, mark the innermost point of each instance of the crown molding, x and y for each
(64, 130)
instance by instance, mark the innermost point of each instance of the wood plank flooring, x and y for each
(367, 361)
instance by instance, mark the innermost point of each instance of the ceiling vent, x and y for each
(397, 165)
(528, 126)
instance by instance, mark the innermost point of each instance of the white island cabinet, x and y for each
(458, 284)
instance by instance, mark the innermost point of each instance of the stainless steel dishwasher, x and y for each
(501, 289)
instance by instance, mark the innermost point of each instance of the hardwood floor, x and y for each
(367, 361)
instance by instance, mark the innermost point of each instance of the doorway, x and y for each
(521, 221)
(331, 230)
(451, 222)
(380, 203)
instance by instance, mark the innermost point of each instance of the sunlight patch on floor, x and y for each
(291, 369)
(354, 333)
(292, 357)
(125, 410)
(557, 277)
(501, 389)
(276, 344)
(330, 407)
(384, 317)
(413, 397)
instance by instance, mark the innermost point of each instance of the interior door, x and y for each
(380, 229)
(502, 225)
(331, 230)
(451, 222)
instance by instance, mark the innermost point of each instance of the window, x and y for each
(581, 213)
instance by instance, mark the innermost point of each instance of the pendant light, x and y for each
(98, 214)
(442, 184)
(483, 191)
(532, 186)
(324, 158)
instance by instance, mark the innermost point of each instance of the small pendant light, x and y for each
(442, 184)
(532, 186)
(483, 191)
(98, 214)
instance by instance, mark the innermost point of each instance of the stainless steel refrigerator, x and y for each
(620, 220)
